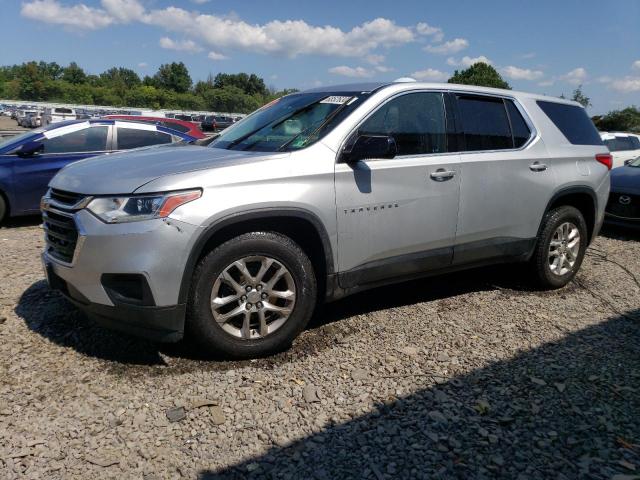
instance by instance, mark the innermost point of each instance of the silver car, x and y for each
(318, 195)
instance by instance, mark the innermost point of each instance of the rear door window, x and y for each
(572, 121)
(129, 138)
(519, 127)
(485, 123)
(91, 139)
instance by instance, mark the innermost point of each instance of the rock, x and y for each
(217, 415)
(202, 402)
(310, 394)
(437, 416)
(359, 374)
(560, 386)
(2, 319)
(538, 381)
(443, 357)
(176, 414)
(102, 461)
(408, 350)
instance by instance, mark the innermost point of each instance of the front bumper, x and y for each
(156, 250)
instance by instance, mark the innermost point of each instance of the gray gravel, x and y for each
(471, 375)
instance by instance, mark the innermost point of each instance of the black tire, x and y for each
(3, 209)
(545, 278)
(204, 330)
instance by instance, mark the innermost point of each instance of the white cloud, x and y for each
(430, 74)
(626, 84)
(217, 56)
(78, 16)
(143, 65)
(528, 56)
(123, 10)
(576, 76)
(180, 45)
(516, 73)
(635, 65)
(452, 46)
(546, 83)
(467, 61)
(374, 59)
(423, 28)
(345, 71)
(289, 37)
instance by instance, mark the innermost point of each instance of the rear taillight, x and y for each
(606, 159)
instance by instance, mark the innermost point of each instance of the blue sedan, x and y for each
(623, 207)
(30, 160)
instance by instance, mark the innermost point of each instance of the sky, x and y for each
(540, 46)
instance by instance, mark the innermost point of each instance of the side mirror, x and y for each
(30, 148)
(369, 146)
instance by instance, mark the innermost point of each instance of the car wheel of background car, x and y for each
(560, 247)
(251, 296)
(3, 208)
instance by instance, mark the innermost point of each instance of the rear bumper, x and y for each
(162, 324)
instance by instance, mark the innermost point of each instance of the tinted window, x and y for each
(175, 126)
(619, 144)
(573, 122)
(133, 138)
(416, 121)
(519, 128)
(63, 110)
(92, 139)
(485, 123)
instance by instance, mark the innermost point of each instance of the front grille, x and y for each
(66, 198)
(630, 209)
(61, 234)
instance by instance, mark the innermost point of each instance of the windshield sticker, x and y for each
(336, 100)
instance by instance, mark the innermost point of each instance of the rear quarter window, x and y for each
(572, 121)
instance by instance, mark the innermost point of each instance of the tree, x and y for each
(580, 97)
(173, 76)
(480, 74)
(249, 84)
(74, 74)
(627, 120)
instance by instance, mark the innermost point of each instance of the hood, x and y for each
(625, 179)
(127, 171)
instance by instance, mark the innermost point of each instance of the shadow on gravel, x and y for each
(568, 409)
(52, 316)
(29, 221)
(620, 233)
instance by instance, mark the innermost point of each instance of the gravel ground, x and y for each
(471, 375)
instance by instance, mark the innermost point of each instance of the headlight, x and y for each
(140, 207)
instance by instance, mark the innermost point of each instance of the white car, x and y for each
(623, 146)
(57, 114)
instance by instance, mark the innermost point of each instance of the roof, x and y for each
(350, 87)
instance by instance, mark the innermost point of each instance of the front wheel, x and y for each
(560, 247)
(251, 296)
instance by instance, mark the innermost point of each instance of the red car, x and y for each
(183, 126)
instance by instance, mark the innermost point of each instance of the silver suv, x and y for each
(318, 195)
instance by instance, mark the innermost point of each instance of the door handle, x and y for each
(441, 175)
(537, 167)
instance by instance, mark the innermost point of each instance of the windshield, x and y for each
(17, 138)
(290, 123)
(635, 162)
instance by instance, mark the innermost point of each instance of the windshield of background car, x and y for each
(291, 122)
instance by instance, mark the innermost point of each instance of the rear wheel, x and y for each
(560, 248)
(251, 296)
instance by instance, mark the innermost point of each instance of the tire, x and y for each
(3, 209)
(231, 339)
(550, 270)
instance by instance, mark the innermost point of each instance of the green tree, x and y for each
(173, 76)
(31, 85)
(74, 74)
(480, 74)
(580, 97)
(626, 120)
(249, 84)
